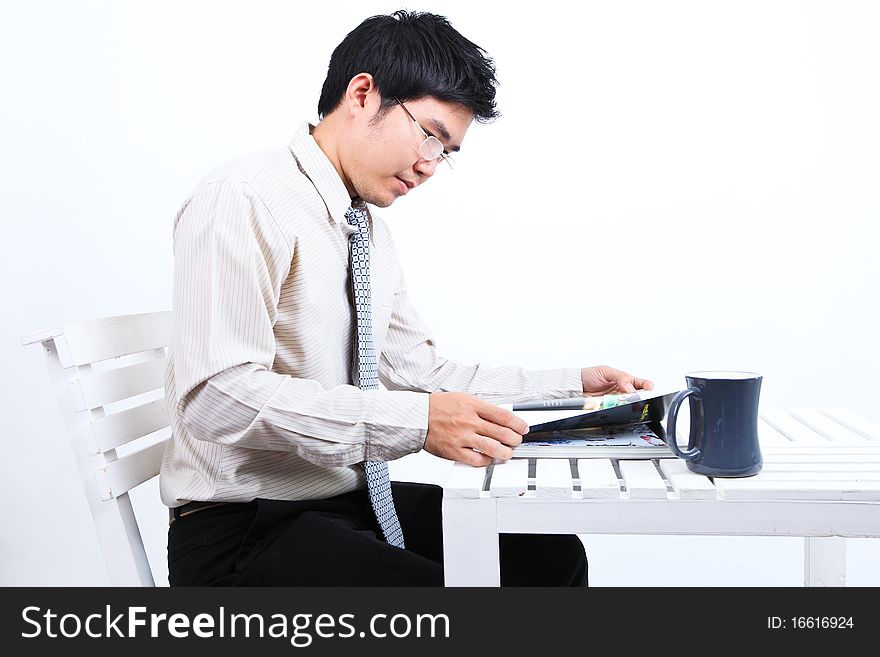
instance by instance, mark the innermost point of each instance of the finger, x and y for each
(503, 417)
(491, 447)
(625, 382)
(643, 384)
(503, 435)
(474, 458)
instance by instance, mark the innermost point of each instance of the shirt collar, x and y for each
(322, 173)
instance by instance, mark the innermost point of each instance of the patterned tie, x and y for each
(367, 371)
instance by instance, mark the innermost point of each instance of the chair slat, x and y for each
(111, 431)
(99, 339)
(99, 388)
(120, 476)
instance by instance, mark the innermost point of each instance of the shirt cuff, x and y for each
(397, 426)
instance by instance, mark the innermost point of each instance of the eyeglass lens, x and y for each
(431, 148)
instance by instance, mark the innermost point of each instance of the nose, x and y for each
(425, 168)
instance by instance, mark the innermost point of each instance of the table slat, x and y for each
(866, 447)
(810, 476)
(687, 485)
(831, 429)
(767, 435)
(860, 425)
(744, 489)
(464, 481)
(790, 427)
(861, 466)
(553, 479)
(510, 479)
(598, 479)
(825, 458)
(641, 479)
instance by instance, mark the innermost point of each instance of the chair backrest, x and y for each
(108, 376)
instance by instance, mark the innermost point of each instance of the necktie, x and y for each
(367, 371)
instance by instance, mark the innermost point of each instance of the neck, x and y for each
(326, 135)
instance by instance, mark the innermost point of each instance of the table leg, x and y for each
(470, 542)
(825, 561)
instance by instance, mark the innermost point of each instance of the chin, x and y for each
(380, 201)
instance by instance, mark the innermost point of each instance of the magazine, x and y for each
(640, 407)
(626, 425)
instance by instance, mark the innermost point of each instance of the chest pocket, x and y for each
(381, 320)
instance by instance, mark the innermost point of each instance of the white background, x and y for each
(672, 186)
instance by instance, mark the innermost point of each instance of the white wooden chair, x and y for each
(108, 376)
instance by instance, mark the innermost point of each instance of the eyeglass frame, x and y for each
(443, 156)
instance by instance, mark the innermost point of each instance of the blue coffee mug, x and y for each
(723, 439)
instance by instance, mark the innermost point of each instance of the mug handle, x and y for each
(689, 455)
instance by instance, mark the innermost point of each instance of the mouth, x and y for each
(405, 185)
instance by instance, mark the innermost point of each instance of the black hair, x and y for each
(412, 55)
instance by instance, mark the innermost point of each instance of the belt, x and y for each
(189, 508)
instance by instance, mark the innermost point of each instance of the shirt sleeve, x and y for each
(410, 361)
(231, 259)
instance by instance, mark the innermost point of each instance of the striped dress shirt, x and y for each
(258, 382)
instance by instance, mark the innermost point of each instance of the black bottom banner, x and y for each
(276, 621)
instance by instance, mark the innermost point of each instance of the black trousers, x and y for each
(337, 542)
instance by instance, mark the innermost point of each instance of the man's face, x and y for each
(384, 161)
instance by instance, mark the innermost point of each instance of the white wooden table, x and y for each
(820, 480)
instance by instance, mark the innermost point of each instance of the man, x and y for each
(289, 309)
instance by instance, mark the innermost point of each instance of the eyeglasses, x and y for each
(431, 148)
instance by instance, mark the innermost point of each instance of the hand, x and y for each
(603, 379)
(459, 423)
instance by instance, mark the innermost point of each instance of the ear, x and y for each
(361, 93)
